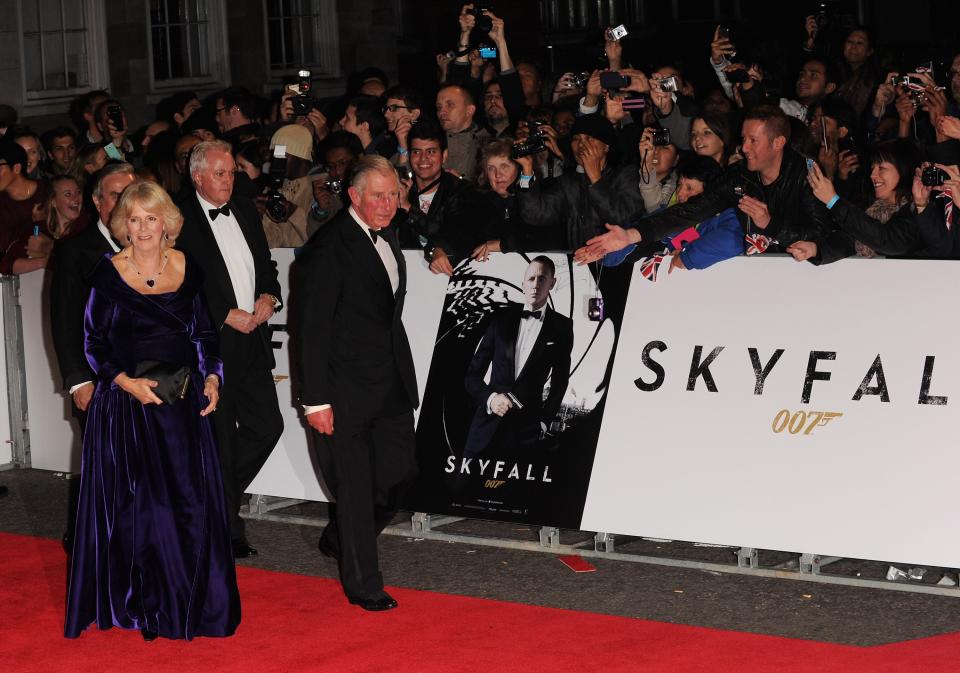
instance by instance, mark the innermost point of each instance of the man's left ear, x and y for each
(830, 88)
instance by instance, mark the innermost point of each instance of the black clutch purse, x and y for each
(173, 381)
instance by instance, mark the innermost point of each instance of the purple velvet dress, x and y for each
(152, 547)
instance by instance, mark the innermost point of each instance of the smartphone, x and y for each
(810, 164)
(723, 33)
(115, 114)
(488, 53)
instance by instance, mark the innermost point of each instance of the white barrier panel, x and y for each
(6, 439)
(54, 437)
(844, 446)
(291, 471)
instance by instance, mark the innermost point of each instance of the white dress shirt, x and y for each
(236, 254)
(389, 264)
(113, 246)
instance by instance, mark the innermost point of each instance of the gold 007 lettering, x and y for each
(804, 421)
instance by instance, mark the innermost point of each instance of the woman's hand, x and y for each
(482, 252)
(802, 250)
(211, 390)
(949, 127)
(141, 389)
(921, 193)
(820, 184)
(849, 163)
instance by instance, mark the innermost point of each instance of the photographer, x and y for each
(439, 212)
(831, 140)
(401, 111)
(341, 150)
(575, 205)
(112, 124)
(769, 189)
(235, 112)
(290, 194)
(671, 109)
(902, 220)
(658, 157)
(817, 79)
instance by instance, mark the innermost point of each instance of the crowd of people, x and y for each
(159, 241)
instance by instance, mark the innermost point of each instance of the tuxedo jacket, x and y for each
(196, 237)
(549, 359)
(73, 261)
(351, 345)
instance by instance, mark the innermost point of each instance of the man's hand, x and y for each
(322, 421)
(905, 110)
(240, 320)
(500, 404)
(286, 106)
(467, 22)
(318, 124)
(828, 158)
(443, 63)
(756, 210)
(593, 155)
(405, 187)
(116, 136)
(886, 92)
(811, 27)
(949, 127)
(663, 100)
(496, 33)
(616, 238)
(802, 250)
(592, 97)
(402, 131)
(83, 395)
(638, 81)
(263, 309)
(849, 163)
(720, 47)
(440, 263)
(482, 252)
(211, 390)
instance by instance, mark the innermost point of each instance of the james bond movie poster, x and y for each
(513, 402)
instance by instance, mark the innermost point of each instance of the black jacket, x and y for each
(796, 214)
(574, 210)
(196, 237)
(457, 220)
(352, 348)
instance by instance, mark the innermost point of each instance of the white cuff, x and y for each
(489, 400)
(311, 408)
(588, 109)
(77, 387)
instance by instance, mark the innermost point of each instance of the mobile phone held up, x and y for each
(488, 53)
(614, 81)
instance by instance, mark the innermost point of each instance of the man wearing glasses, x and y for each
(402, 111)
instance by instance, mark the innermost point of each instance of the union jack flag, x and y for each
(947, 207)
(650, 265)
(757, 244)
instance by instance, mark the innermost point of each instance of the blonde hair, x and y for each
(53, 221)
(152, 198)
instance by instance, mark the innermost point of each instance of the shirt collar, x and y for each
(363, 225)
(206, 205)
(107, 234)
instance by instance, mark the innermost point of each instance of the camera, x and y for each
(333, 186)
(723, 33)
(669, 84)
(484, 23)
(738, 76)
(580, 81)
(303, 102)
(739, 192)
(660, 136)
(615, 34)
(614, 80)
(276, 205)
(534, 144)
(115, 115)
(595, 309)
(931, 176)
(488, 53)
(823, 14)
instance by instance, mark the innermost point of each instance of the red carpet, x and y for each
(293, 623)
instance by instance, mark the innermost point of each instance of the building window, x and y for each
(187, 41)
(302, 33)
(62, 42)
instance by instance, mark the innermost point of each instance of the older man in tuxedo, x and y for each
(355, 363)
(73, 260)
(524, 347)
(223, 234)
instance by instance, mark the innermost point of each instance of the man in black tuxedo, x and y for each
(72, 262)
(355, 361)
(526, 346)
(223, 234)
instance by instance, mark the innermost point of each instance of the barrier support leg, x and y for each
(811, 564)
(421, 522)
(549, 536)
(603, 542)
(748, 557)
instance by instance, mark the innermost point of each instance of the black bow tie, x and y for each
(222, 210)
(375, 234)
(536, 315)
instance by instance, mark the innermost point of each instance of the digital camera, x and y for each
(276, 205)
(931, 176)
(534, 144)
(615, 34)
(660, 137)
(484, 23)
(303, 102)
(595, 309)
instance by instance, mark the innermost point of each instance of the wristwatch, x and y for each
(274, 301)
(428, 253)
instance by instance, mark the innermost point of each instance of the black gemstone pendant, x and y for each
(151, 282)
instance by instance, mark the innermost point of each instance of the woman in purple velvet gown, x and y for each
(152, 548)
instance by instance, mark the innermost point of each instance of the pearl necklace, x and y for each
(149, 280)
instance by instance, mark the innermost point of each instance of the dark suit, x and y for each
(247, 421)
(354, 354)
(73, 260)
(549, 359)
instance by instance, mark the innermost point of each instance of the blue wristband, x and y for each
(401, 151)
(832, 202)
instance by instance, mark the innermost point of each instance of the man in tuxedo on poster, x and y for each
(356, 367)
(524, 347)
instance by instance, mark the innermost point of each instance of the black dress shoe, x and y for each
(148, 635)
(3, 491)
(376, 603)
(242, 549)
(327, 549)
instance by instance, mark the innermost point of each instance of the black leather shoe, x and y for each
(3, 491)
(148, 635)
(327, 549)
(242, 549)
(376, 603)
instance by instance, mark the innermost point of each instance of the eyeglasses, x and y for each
(221, 109)
(394, 108)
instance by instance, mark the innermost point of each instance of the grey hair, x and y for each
(371, 164)
(106, 172)
(198, 157)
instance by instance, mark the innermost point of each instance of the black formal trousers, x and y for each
(367, 463)
(247, 421)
